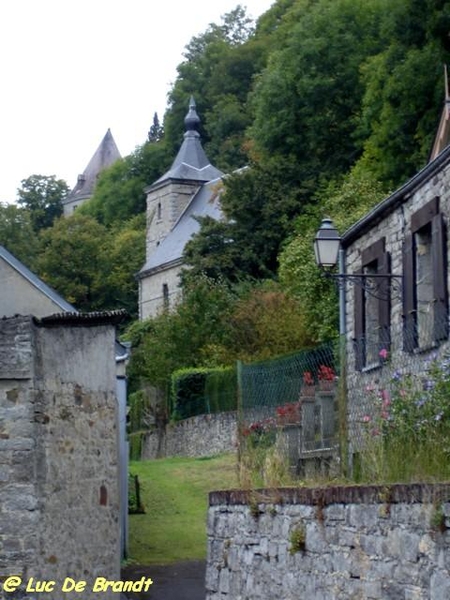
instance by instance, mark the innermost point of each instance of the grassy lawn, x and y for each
(174, 492)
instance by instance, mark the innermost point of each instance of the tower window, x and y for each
(165, 290)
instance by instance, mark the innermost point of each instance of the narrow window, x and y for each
(424, 286)
(165, 289)
(159, 212)
(425, 296)
(372, 306)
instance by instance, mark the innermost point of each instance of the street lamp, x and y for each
(327, 247)
(327, 244)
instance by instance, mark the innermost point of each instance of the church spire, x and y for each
(192, 120)
(191, 162)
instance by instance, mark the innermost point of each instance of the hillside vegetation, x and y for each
(332, 103)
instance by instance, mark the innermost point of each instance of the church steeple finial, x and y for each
(192, 120)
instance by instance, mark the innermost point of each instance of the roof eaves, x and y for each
(76, 319)
(381, 210)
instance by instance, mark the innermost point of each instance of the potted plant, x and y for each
(308, 387)
(326, 377)
(288, 413)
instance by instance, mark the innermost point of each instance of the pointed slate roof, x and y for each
(105, 155)
(206, 202)
(191, 162)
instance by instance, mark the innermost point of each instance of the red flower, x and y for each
(308, 378)
(326, 373)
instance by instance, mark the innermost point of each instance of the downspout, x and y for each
(344, 443)
(121, 396)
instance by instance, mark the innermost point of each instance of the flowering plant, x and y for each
(415, 405)
(326, 373)
(308, 378)
(288, 413)
(261, 433)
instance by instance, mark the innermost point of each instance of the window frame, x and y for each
(377, 258)
(427, 216)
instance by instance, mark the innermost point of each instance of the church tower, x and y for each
(105, 155)
(170, 225)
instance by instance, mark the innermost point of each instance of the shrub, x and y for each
(203, 391)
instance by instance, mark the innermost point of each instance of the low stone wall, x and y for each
(338, 543)
(204, 435)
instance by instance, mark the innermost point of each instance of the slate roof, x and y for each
(389, 204)
(105, 155)
(191, 162)
(206, 202)
(35, 280)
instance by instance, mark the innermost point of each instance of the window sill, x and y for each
(371, 367)
(428, 348)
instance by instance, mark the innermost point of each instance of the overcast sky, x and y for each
(72, 68)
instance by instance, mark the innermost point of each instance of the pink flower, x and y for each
(366, 419)
(383, 354)
(384, 395)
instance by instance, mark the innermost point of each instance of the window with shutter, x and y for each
(372, 310)
(425, 296)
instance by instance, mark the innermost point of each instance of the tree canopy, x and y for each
(42, 196)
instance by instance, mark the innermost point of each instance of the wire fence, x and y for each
(375, 408)
(292, 402)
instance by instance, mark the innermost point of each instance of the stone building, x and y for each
(189, 189)
(396, 328)
(24, 293)
(105, 156)
(59, 451)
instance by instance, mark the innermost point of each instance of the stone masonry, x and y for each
(336, 543)
(204, 435)
(59, 495)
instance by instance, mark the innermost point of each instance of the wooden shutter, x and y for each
(409, 304)
(439, 255)
(384, 302)
(359, 341)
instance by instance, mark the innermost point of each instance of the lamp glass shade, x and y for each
(326, 244)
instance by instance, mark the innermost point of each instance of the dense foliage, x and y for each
(329, 103)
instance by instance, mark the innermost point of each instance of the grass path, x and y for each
(174, 492)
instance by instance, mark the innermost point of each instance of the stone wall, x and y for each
(392, 225)
(59, 492)
(340, 543)
(204, 435)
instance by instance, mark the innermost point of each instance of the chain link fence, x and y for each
(292, 402)
(372, 409)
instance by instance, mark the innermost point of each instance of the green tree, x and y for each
(74, 260)
(218, 69)
(42, 195)
(17, 234)
(119, 193)
(404, 89)
(177, 339)
(126, 255)
(259, 204)
(156, 131)
(307, 102)
(345, 202)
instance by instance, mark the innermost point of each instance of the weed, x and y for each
(298, 539)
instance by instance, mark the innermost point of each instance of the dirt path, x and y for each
(180, 581)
